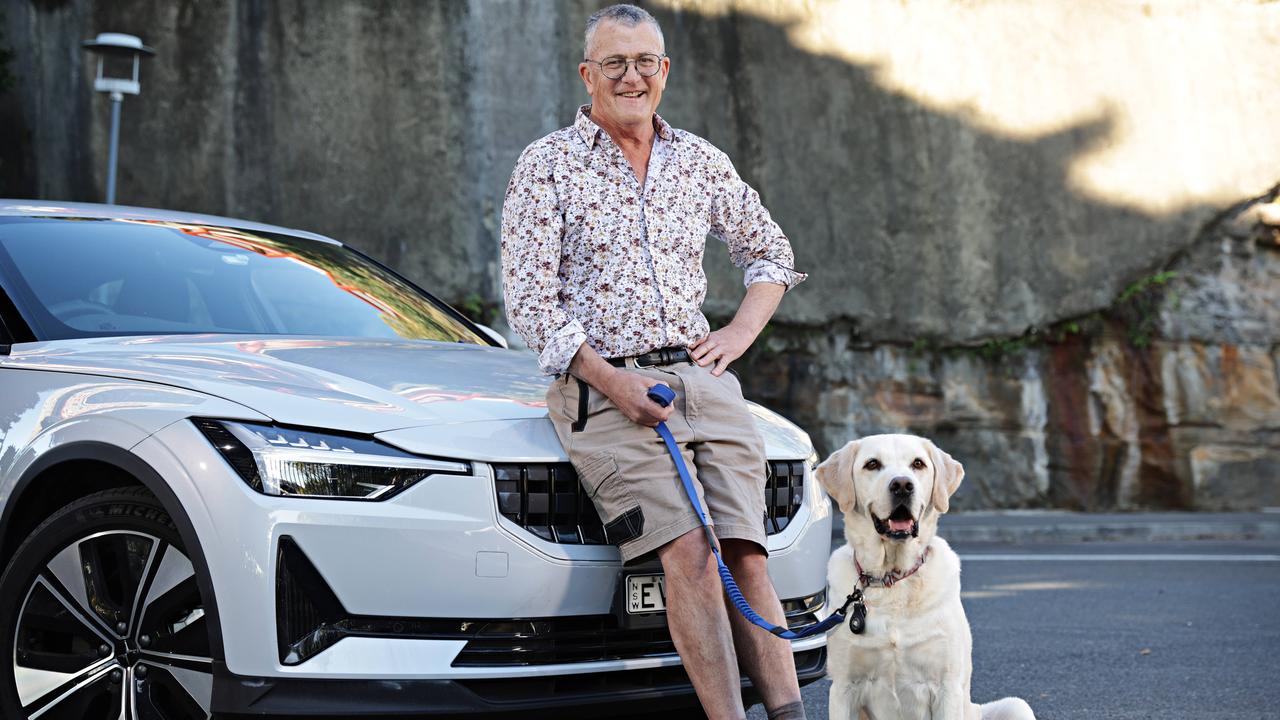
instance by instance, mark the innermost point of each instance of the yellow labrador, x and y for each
(913, 660)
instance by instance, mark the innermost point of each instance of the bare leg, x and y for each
(699, 626)
(766, 658)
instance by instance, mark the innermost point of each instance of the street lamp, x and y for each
(116, 48)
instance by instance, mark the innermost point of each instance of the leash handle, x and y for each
(664, 396)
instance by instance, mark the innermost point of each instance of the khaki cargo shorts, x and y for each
(627, 472)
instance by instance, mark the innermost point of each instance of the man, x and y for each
(603, 231)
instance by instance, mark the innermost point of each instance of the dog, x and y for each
(913, 660)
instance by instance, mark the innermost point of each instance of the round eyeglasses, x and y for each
(615, 67)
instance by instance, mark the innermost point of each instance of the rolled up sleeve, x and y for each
(532, 234)
(741, 221)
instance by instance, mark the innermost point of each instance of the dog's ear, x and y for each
(947, 474)
(836, 475)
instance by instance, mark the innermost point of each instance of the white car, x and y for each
(246, 470)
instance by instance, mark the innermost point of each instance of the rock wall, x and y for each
(1169, 398)
(959, 178)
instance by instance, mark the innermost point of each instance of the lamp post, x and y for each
(118, 48)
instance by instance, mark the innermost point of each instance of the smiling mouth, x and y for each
(898, 526)
(632, 95)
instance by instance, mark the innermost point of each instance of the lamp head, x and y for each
(118, 48)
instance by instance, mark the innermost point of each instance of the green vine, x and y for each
(1139, 305)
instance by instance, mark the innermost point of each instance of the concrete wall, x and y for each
(953, 174)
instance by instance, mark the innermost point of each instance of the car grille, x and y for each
(783, 493)
(547, 500)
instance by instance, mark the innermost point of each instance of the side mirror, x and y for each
(493, 334)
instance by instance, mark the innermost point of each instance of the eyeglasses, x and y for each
(615, 67)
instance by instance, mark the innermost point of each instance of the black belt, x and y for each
(663, 356)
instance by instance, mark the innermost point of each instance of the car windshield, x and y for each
(74, 278)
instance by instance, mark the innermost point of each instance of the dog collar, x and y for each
(890, 578)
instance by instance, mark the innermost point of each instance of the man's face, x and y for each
(631, 99)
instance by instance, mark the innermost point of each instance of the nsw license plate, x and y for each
(646, 594)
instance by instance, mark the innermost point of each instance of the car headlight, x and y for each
(301, 462)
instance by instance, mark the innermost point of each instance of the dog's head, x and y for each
(892, 481)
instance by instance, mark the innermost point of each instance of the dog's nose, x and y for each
(901, 487)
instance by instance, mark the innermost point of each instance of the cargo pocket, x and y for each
(623, 518)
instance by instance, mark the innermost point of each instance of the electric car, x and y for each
(247, 470)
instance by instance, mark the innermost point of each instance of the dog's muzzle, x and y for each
(900, 524)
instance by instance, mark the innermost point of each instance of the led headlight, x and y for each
(279, 460)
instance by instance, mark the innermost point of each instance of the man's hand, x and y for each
(722, 347)
(729, 342)
(630, 393)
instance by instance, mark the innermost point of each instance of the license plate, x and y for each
(646, 594)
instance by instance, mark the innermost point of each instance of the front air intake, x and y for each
(309, 617)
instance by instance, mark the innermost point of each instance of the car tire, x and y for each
(102, 609)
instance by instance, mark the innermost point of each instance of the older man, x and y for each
(603, 232)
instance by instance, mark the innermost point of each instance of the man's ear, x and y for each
(947, 474)
(836, 475)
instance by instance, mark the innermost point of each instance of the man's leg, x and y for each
(766, 658)
(699, 626)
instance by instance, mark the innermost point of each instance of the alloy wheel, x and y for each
(113, 627)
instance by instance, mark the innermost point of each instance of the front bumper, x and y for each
(589, 695)
(437, 550)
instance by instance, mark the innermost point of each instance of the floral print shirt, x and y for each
(591, 255)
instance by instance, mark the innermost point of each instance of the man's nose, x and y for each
(901, 488)
(632, 66)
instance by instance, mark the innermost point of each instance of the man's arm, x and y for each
(532, 233)
(628, 391)
(727, 344)
(741, 221)
(759, 247)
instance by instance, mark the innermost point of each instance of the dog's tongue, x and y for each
(899, 525)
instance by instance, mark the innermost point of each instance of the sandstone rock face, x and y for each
(974, 215)
(1105, 416)
(1219, 369)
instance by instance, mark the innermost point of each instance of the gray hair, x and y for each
(628, 15)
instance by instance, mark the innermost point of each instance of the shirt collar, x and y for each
(589, 131)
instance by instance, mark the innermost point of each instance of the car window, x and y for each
(86, 278)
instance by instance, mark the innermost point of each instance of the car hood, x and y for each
(404, 391)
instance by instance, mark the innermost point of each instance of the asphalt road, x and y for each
(1120, 630)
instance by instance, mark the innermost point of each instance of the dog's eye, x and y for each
(917, 464)
(872, 464)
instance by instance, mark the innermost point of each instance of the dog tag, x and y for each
(858, 618)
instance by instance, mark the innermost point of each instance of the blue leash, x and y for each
(664, 396)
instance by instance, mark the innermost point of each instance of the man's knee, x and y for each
(744, 556)
(688, 555)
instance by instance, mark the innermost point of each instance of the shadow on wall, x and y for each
(942, 253)
(916, 223)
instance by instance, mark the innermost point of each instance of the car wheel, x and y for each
(103, 613)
